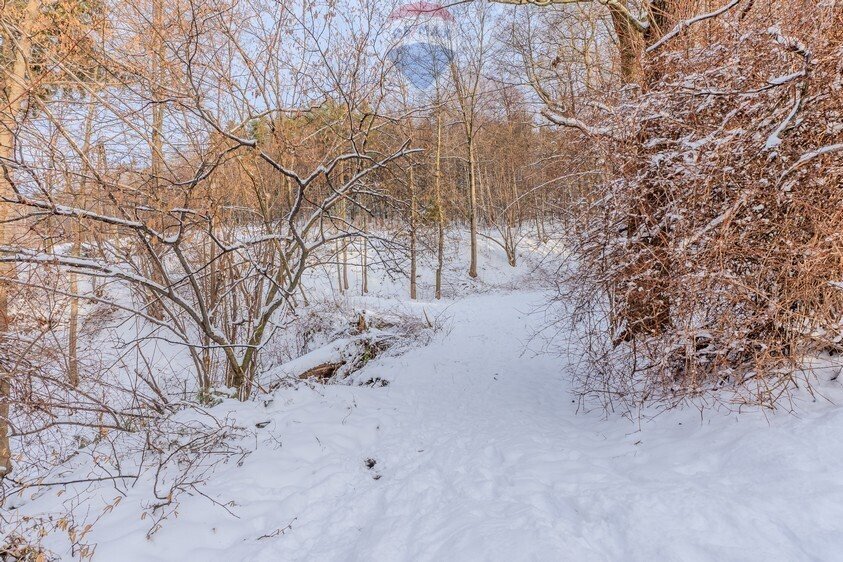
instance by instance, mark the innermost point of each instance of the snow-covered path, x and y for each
(480, 455)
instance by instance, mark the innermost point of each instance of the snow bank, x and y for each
(476, 451)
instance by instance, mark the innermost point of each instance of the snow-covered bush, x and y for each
(718, 244)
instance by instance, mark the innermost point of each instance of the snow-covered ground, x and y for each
(476, 450)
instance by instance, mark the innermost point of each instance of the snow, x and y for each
(481, 452)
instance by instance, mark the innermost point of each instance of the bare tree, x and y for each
(255, 180)
(467, 74)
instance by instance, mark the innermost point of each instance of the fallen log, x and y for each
(322, 373)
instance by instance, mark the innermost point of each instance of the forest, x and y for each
(371, 280)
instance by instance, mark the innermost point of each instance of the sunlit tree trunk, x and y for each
(17, 86)
(510, 243)
(440, 209)
(156, 142)
(630, 47)
(472, 202)
(158, 61)
(76, 250)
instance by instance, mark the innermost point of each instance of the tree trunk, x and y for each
(413, 260)
(338, 249)
(364, 259)
(345, 284)
(467, 100)
(213, 291)
(76, 250)
(158, 61)
(511, 216)
(156, 142)
(344, 221)
(73, 328)
(472, 204)
(17, 89)
(440, 211)
(630, 47)
(645, 283)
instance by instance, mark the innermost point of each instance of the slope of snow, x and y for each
(476, 451)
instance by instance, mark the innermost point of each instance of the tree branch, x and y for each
(638, 24)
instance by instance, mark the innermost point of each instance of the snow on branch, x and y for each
(810, 156)
(685, 24)
(564, 121)
(796, 46)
